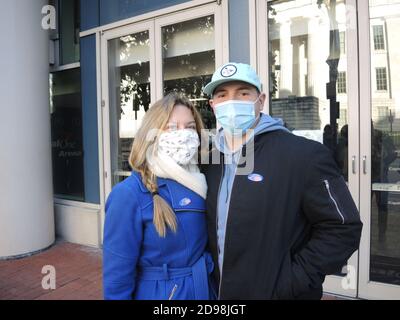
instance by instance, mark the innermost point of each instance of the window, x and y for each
(341, 82)
(66, 36)
(188, 52)
(303, 57)
(383, 249)
(66, 134)
(65, 104)
(129, 93)
(383, 112)
(379, 41)
(381, 79)
(342, 39)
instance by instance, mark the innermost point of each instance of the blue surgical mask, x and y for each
(236, 116)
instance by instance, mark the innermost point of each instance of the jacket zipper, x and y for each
(216, 226)
(171, 295)
(226, 222)
(333, 199)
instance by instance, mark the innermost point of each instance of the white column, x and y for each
(302, 70)
(313, 61)
(286, 60)
(296, 66)
(26, 195)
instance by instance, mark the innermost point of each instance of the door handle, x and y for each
(353, 164)
(364, 159)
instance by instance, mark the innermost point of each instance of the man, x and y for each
(277, 230)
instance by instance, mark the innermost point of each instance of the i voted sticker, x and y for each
(255, 177)
(184, 202)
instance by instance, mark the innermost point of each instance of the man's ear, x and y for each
(262, 99)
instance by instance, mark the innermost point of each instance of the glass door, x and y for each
(128, 68)
(142, 62)
(187, 53)
(380, 149)
(308, 66)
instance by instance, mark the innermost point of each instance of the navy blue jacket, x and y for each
(291, 221)
(137, 262)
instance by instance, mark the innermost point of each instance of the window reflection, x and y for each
(66, 134)
(189, 61)
(307, 70)
(385, 141)
(69, 31)
(129, 81)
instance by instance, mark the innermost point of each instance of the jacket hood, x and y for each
(265, 124)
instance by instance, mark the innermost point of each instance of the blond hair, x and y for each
(157, 118)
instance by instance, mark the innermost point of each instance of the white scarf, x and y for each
(190, 176)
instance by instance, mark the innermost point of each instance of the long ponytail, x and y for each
(163, 215)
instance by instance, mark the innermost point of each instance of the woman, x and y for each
(155, 228)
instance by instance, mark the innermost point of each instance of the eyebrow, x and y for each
(219, 91)
(245, 88)
(175, 123)
(238, 89)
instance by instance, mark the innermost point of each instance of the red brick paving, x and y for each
(78, 274)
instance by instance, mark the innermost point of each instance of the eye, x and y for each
(171, 127)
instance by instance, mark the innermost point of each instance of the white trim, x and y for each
(77, 224)
(262, 49)
(253, 33)
(146, 16)
(353, 120)
(224, 18)
(77, 204)
(100, 138)
(367, 288)
(333, 284)
(158, 59)
(365, 147)
(65, 67)
(153, 66)
(106, 172)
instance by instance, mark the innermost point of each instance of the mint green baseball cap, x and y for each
(233, 72)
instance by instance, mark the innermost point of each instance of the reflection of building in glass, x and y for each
(385, 64)
(299, 113)
(189, 61)
(299, 39)
(385, 142)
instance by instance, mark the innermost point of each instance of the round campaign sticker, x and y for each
(255, 177)
(228, 71)
(185, 202)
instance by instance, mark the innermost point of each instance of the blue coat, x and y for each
(137, 262)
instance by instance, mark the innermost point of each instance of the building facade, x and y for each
(330, 68)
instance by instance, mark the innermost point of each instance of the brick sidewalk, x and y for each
(78, 274)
